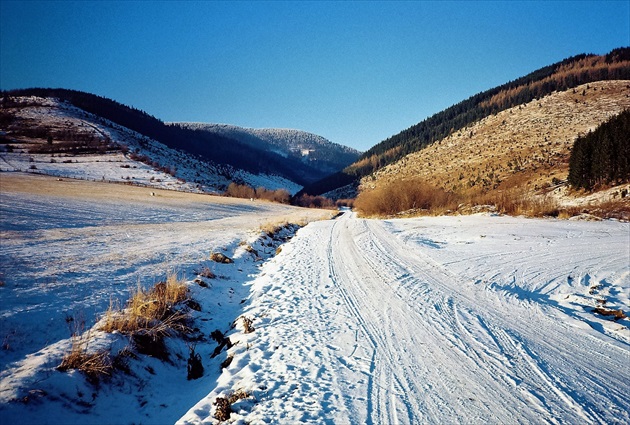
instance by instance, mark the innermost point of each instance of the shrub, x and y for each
(310, 201)
(394, 197)
(195, 368)
(281, 196)
(236, 190)
(240, 191)
(151, 311)
(349, 203)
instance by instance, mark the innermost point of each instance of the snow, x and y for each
(191, 174)
(461, 319)
(436, 320)
(67, 254)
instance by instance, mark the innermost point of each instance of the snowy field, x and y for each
(70, 247)
(469, 319)
(472, 319)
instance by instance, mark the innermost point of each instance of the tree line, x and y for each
(602, 156)
(563, 75)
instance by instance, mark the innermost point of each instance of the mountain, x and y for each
(50, 135)
(526, 147)
(316, 151)
(230, 158)
(564, 75)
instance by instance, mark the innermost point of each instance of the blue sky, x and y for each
(353, 72)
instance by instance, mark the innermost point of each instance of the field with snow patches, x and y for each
(190, 173)
(70, 247)
(465, 319)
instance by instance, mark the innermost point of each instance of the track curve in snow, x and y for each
(366, 321)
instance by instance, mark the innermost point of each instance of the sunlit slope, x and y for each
(526, 146)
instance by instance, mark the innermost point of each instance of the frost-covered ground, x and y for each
(470, 319)
(474, 319)
(68, 248)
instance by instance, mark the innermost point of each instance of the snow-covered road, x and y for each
(437, 320)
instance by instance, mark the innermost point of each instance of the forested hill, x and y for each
(309, 148)
(212, 147)
(567, 74)
(602, 156)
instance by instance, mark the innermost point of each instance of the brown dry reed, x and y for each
(151, 310)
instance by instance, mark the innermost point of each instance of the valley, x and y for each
(456, 319)
(438, 299)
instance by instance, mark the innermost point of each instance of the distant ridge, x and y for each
(316, 151)
(210, 146)
(566, 74)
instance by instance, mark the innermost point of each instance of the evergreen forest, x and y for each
(602, 156)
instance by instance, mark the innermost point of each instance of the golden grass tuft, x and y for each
(271, 228)
(150, 310)
(93, 364)
(413, 195)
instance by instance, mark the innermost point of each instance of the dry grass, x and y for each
(524, 148)
(223, 409)
(248, 324)
(616, 314)
(151, 310)
(219, 257)
(619, 209)
(271, 228)
(224, 404)
(93, 364)
(517, 202)
(207, 273)
(407, 195)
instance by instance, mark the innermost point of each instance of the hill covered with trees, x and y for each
(310, 149)
(207, 145)
(566, 74)
(602, 156)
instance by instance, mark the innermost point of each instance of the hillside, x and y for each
(316, 151)
(87, 146)
(564, 75)
(525, 147)
(206, 146)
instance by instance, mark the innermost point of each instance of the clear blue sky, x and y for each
(353, 72)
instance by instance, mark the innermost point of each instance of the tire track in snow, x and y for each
(518, 339)
(383, 393)
(388, 334)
